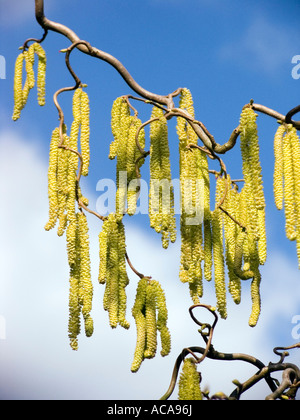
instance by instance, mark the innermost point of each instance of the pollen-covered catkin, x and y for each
(278, 167)
(21, 92)
(219, 264)
(161, 195)
(150, 313)
(194, 185)
(250, 155)
(112, 270)
(138, 312)
(86, 286)
(18, 87)
(151, 326)
(162, 318)
(85, 133)
(41, 73)
(189, 381)
(129, 159)
(52, 180)
(289, 188)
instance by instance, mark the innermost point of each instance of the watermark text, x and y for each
(296, 329)
(2, 67)
(296, 68)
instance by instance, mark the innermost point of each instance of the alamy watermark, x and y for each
(2, 328)
(2, 67)
(296, 68)
(154, 198)
(296, 329)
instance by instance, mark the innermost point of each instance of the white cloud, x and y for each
(15, 12)
(265, 46)
(35, 359)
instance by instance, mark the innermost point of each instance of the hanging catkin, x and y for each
(52, 180)
(112, 270)
(150, 314)
(124, 128)
(253, 178)
(161, 195)
(287, 180)
(218, 252)
(194, 187)
(189, 381)
(81, 288)
(289, 170)
(230, 197)
(21, 92)
(278, 167)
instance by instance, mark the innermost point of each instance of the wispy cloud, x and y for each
(265, 46)
(15, 12)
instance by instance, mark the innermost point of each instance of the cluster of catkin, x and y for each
(21, 92)
(112, 270)
(238, 225)
(235, 247)
(287, 180)
(63, 193)
(195, 221)
(161, 194)
(189, 381)
(150, 314)
(129, 158)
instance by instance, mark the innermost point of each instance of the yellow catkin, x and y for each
(238, 258)
(134, 162)
(62, 183)
(219, 269)
(85, 273)
(289, 188)
(262, 241)
(151, 326)
(150, 313)
(278, 167)
(85, 133)
(112, 270)
(74, 293)
(129, 158)
(123, 277)
(21, 92)
(193, 184)
(138, 312)
(250, 155)
(161, 195)
(41, 73)
(162, 318)
(52, 180)
(18, 87)
(231, 230)
(295, 145)
(189, 381)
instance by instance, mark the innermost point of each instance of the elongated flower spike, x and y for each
(81, 288)
(278, 166)
(18, 87)
(150, 314)
(189, 381)
(21, 92)
(161, 194)
(41, 73)
(112, 270)
(194, 189)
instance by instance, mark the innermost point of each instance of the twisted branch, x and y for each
(291, 373)
(166, 100)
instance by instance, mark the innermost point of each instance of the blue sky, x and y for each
(226, 52)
